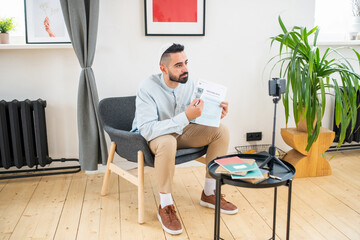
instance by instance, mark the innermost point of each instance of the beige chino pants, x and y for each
(194, 135)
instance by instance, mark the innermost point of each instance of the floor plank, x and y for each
(157, 199)
(343, 191)
(345, 166)
(90, 212)
(70, 207)
(337, 213)
(41, 216)
(187, 196)
(252, 225)
(195, 188)
(130, 228)
(3, 184)
(314, 221)
(70, 216)
(14, 198)
(110, 211)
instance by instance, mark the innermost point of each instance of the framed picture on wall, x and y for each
(174, 18)
(44, 22)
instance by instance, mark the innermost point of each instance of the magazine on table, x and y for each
(236, 165)
(255, 176)
(212, 94)
(244, 169)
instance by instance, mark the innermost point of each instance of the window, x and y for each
(334, 17)
(14, 8)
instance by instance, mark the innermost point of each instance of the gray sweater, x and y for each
(160, 109)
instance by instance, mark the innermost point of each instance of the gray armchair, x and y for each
(117, 115)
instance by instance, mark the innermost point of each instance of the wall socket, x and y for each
(254, 136)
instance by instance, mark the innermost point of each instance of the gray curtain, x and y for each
(81, 19)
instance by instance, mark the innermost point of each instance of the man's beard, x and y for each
(179, 79)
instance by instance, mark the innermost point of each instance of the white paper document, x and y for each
(212, 94)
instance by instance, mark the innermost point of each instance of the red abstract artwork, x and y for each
(175, 11)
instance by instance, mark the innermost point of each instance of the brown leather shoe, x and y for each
(168, 219)
(225, 206)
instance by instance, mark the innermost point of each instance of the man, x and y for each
(163, 113)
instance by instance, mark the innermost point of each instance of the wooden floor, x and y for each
(69, 207)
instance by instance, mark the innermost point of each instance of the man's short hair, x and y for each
(174, 48)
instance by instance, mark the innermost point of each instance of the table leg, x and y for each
(274, 216)
(288, 211)
(217, 210)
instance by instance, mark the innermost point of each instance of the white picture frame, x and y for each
(44, 22)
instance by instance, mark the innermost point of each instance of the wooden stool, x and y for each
(311, 163)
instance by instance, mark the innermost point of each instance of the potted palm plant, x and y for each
(6, 25)
(311, 76)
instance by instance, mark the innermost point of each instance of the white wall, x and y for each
(234, 53)
(51, 75)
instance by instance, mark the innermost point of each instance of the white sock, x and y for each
(210, 186)
(165, 199)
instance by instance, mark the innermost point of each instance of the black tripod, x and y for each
(272, 158)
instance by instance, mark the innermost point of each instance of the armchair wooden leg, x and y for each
(107, 172)
(138, 181)
(141, 187)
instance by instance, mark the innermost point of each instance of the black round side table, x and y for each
(284, 179)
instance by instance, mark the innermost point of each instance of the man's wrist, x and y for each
(187, 116)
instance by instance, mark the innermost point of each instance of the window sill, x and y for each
(35, 46)
(339, 43)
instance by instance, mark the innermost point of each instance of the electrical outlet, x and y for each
(254, 136)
